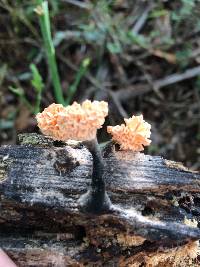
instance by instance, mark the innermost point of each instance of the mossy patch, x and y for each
(34, 140)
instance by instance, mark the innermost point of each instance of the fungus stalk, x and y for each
(80, 122)
(96, 199)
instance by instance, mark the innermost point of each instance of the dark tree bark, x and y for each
(153, 199)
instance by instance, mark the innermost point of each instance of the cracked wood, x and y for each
(41, 181)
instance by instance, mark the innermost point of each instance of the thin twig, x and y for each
(174, 78)
(119, 107)
(78, 4)
(141, 21)
(141, 89)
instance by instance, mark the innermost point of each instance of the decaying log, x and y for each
(153, 222)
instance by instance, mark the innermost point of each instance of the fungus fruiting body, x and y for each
(76, 122)
(80, 122)
(133, 135)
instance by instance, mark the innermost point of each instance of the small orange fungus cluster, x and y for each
(132, 136)
(76, 122)
(81, 121)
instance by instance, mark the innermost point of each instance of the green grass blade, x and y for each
(44, 20)
(73, 87)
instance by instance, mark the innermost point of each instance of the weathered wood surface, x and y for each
(41, 181)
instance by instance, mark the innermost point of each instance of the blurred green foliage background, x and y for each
(140, 56)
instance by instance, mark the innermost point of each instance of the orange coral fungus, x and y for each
(132, 136)
(77, 122)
